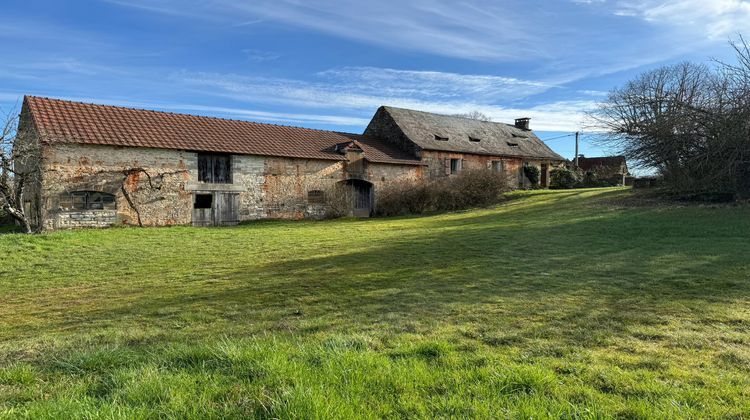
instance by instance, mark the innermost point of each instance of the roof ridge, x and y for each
(450, 115)
(184, 114)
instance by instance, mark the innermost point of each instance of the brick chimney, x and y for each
(523, 123)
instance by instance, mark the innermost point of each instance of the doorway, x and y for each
(216, 209)
(361, 197)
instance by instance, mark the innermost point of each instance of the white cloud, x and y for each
(367, 87)
(713, 19)
(360, 90)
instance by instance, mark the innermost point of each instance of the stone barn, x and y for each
(103, 165)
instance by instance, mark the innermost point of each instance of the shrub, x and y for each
(532, 173)
(338, 201)
(591, 180)
(562, 179)
(403, 197)
(467, 189)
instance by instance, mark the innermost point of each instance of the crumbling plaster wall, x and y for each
(148, 184)
(155, 187)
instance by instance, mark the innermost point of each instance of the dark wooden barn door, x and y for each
(362, 198)
(216, 209)
(226, 210)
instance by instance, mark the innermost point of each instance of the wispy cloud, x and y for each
(365, 88)
(714, 19)
(360, 90)
(476, 29)
(259, 56)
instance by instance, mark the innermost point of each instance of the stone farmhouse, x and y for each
(104, 165)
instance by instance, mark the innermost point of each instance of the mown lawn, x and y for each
(554, 304)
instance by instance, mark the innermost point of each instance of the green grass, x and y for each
(554, 304)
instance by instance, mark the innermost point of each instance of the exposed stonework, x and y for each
(103, 165)
(85, 218)
(157, 186)
(148, 183)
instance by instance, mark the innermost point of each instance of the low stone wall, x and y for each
(85, 219)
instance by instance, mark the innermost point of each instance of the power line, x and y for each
(559, 137)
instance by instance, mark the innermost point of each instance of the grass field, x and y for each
(554, 304)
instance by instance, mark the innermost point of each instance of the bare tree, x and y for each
(474, 115)
(19, 169)
(691, 122)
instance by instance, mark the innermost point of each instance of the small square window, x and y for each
(455, 165)
(497, 166)
(203, 201)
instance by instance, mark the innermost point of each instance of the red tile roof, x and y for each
(75, 122)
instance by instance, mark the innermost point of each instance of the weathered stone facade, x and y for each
(156, 187)
(103, 165)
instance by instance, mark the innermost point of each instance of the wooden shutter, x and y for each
(205, 172)
(460, 165)
(447, 164)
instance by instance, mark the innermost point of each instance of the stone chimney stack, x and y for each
(523, 123)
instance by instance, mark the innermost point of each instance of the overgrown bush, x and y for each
(468, 189)
(562, 179)
(591, 180)
(338, 201)
(532, 173)
(404, 197)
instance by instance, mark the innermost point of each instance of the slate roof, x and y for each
(82, 123)
(496, 139)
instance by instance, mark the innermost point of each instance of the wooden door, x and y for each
(362, 199)
(545, 170)
(203, 213)
(226, 209)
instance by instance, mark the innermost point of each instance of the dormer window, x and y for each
(441, 138)
(512, 144)
(474, 139)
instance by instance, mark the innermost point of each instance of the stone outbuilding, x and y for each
(104, 165)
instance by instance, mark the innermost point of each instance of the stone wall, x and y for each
(155, 187)
(383, 126)
(148, 184)
(435, 161)
(512, 166)
(85, 218)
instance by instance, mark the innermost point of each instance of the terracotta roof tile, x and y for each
(75, 122)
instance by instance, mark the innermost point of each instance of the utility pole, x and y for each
(576, 159)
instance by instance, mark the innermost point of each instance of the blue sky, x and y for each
(330, 64)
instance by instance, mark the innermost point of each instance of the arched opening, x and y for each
(361, 197)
